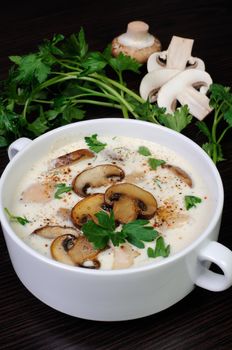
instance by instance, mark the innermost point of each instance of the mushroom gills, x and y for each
(100, 175)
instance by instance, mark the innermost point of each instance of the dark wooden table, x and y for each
(203, 320)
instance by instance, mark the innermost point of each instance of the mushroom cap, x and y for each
(145, 201)
(87, 208)
(60, 246)
(100, 175)
(136, 42)
(72, 157)
(52, 232)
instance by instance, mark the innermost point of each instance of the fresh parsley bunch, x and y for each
(51, 87)
(135, 232)
(221, 102)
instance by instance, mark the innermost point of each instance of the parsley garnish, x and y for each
(21, 220)
(154, 163)
(178, 120)
(94, 144)
(191, 201)
(135, 232)
(160, 249)
(61, 188)
(144, 151)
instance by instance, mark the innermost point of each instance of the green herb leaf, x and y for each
(178, 120)
(122, 63)
(135, 232)
(21, 220)
(32, 67)
(191, 201)
(95, 62)
(144, 151)
(154, 163)
(204, 129)
(94, 144)
(106, 221)
(96, 234)
(160, 249)
(61, 188)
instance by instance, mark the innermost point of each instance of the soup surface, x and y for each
(155, 178)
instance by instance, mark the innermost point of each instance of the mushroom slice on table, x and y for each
(60, 247)
(87, 208)
(177, 56)
(180, 173)
(145, 202)
(72, 157)
(52, 232)
(83, 251)
(124, 256)
(185, 88)
(153, 81)
(137, 42)
(100, 175)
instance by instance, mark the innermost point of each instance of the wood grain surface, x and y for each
(203, 320)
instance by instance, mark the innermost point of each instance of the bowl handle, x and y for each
(17, 146)
(218, 254)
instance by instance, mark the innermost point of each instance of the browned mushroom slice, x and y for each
(83, 251)
(100, 175)
(86, 208)
(145, 201)
(125, 210)
(72, 157)
(179, 173)
(60, 247)
(52, 232)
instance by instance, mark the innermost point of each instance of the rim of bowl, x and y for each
(150, 266)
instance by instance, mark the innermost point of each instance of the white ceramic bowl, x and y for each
(118, 294)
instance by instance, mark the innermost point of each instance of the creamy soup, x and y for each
(158, 186)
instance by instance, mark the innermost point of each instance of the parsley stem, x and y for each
(43, 101)
(110, 89)
(120, 86)
(124, 110)
(99, 103)
(223, 134)
(25, 108)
